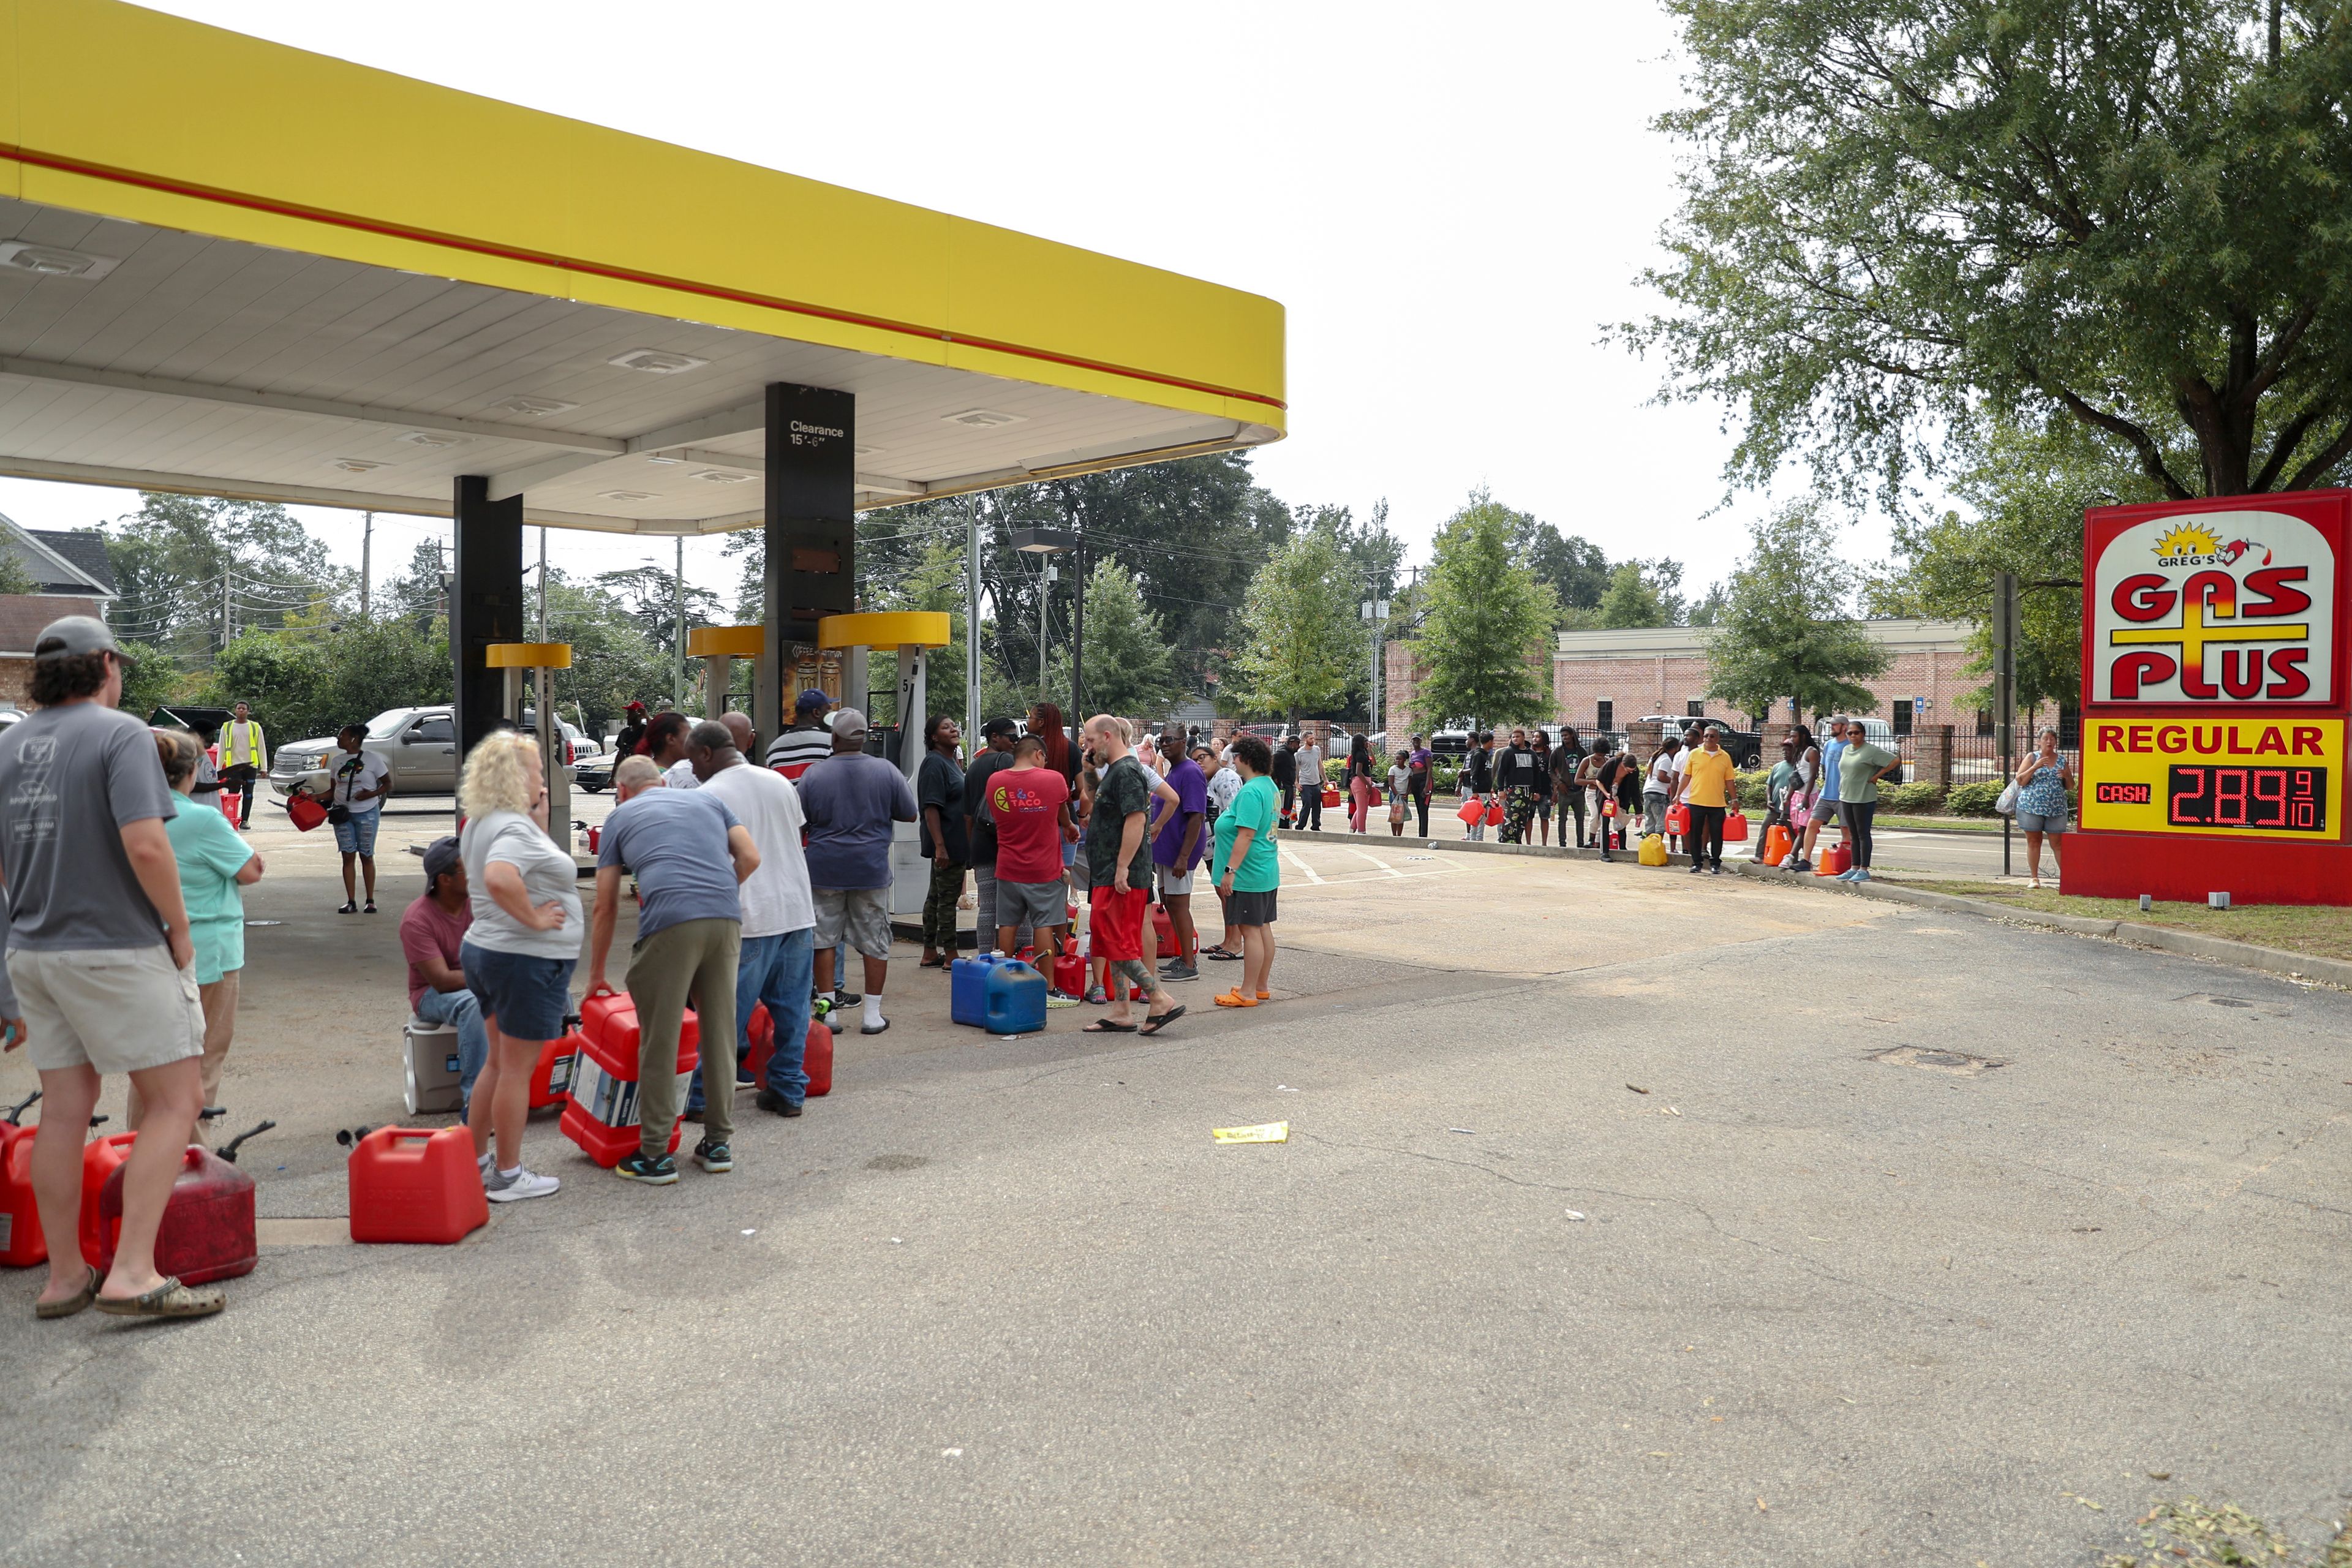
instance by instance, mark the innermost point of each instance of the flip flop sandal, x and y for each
(1220, 954)
(1105, 1027)
(1153, 1026)
(1265, 995)
(169, 1299)
(930, 963)
(71, 1304)
(1235, 999)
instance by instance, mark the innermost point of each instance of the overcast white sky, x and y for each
(1450, 201)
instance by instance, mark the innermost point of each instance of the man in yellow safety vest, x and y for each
(245, 757)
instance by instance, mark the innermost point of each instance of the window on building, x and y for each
(1696, 708)
(2070, 726)
(1606, 717)
(1903, 706)
(1984, 720)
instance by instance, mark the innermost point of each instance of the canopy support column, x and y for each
(486, 604)
(810, 536)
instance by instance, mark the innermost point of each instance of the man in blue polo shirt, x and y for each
(690, 856)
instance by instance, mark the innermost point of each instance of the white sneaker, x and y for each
(501, 1188)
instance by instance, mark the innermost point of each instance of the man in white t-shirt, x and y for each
(779, 911)
(356, 778)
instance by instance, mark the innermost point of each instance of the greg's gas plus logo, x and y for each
(2234, 606)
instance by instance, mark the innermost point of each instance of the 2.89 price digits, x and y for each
(2292, 799)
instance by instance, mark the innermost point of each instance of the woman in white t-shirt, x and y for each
(1665, 778)
(520, 950)
(356, 781)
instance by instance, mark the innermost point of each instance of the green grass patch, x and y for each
(2322, 931)
(1944, 823)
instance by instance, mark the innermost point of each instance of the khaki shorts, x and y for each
(861, 916)
(117, 1009)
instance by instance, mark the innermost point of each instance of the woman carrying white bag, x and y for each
(2038, 796)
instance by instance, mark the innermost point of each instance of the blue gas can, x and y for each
(1017, 999)
(968, 987)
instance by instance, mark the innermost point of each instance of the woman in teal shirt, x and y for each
(1247, 871)
(214, 862)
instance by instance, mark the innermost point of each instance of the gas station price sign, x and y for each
(2263, 780)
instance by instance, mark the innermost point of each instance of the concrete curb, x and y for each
(2333, 971)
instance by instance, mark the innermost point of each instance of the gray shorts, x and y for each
(1033, 904)
(1250, 908)
(2035, 821)
(1174, 883)
(861, 916)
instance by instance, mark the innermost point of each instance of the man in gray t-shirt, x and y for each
(690, 855)
(100, 958)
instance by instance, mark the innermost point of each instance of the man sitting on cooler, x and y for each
(432, 934)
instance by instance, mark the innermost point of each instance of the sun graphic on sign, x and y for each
(2190, 541)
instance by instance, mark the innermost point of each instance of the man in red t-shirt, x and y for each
(432, 934)
(1031, 804)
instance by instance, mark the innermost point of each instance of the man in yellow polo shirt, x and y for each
(245, 757)
(1706, 790)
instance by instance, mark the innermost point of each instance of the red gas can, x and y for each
(416, 1184)
(207, 1229)
(21, 1243)
(816, 1060)
(602, 1116)
(1836, 862)
(1069, 971)
(550, 1080)
(1163, 931)
(763, 1043)
(98, 1162)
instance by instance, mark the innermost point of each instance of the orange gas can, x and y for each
(1836, 862)
(416, 1185)
(1776, 844)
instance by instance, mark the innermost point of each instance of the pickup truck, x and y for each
(419, 744)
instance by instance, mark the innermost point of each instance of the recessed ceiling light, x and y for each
(981, 418)
(537, 407)
(665, 459)
(628, 495)
(358, 465)
(721, 477)
(51, 261)
(656, 361)
(433, 440)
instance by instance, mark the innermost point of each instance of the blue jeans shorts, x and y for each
(355, 834)
(524, 995)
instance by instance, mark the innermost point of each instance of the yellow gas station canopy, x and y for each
(234, 267)
(886, 628)
(735, 642)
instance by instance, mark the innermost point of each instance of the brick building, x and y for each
(1610, 678)
(22, 616)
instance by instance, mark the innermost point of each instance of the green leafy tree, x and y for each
(1786, 627)
(2023, 495)
(312, 677)
(193, 571)
(1576, 568)
(1906, 215)
(1129, 667)
(1643, 594)
(1484, 625)
(1301, 635)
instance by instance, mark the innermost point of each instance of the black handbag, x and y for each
(339, 815)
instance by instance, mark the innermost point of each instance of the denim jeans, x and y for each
(775, 971)
(463, 1009)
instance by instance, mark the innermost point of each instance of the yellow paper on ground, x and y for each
(1270, 1132)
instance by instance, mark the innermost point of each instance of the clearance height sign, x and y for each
(2215, 699)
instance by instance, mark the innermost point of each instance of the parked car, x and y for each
(1272, 734)
(1746, 746)
(419, 744)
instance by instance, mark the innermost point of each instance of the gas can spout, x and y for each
(17, 1113)
(237, 1142)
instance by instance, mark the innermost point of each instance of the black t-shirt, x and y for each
(975, 797)
(1285, 772)
(1478, 771)
(939, 782)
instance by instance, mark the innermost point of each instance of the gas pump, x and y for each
(539, 659)
(913, 634)
(722, 645)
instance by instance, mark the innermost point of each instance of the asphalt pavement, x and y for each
(1624, 1217)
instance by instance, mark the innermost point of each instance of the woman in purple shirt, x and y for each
(1416, 764)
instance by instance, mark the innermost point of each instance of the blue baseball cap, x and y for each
(811, 699)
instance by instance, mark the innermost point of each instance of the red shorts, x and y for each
(1114, 922)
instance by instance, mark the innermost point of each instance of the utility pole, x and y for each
(367, 553)
(1044, 592)
(971, 624)
(1078, 635)
(542, 582)
(677, 667)
(228, 607)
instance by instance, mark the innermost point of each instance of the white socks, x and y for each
(873, 1009)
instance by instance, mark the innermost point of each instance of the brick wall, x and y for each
(15, 680)
(1667, 683)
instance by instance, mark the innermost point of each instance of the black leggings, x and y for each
(1705, 839)
(1420, 799)
(1572, 799)
(1858, 815)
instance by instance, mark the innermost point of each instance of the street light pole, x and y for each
(971, 623)
(678, 664)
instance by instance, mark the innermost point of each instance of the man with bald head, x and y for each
(779, 913)
(1118, 871)
(738, 727)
